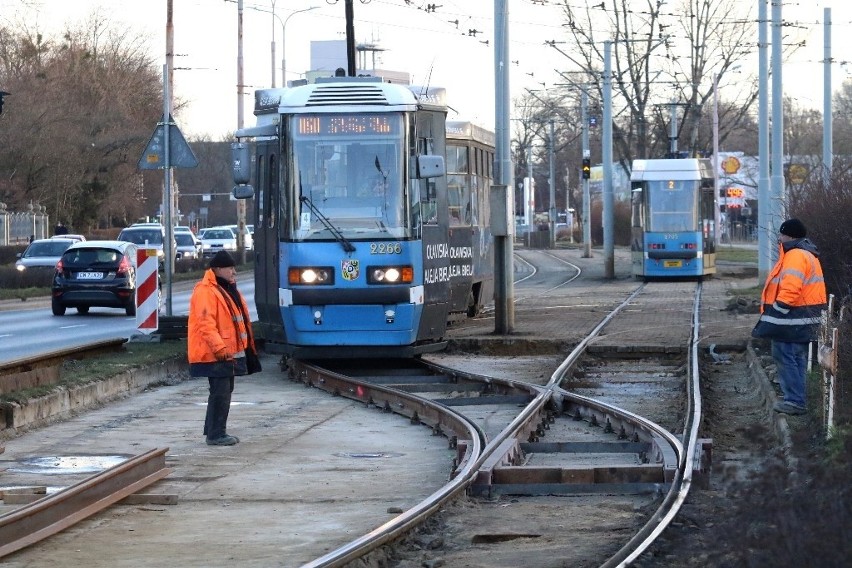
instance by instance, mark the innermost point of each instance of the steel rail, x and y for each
(53, 513)
(518, 428)
(551, 393)
(438, 416)
(682, 484)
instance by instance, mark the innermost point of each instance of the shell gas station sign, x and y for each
(730, 165)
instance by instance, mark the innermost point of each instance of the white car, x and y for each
(247, 236)
(214, 239)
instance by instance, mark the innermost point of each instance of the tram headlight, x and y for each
(390, 274)
(310, 275)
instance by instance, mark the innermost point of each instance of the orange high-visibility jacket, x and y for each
(216, 325)
(794, 294)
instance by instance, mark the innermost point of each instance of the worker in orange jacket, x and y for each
(791, 306)
(219, 334)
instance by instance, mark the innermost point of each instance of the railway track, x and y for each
(610, 420)
(58, 511)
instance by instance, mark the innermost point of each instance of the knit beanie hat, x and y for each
(793, 228)
(222, 259)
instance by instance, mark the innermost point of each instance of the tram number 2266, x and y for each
(385, 248)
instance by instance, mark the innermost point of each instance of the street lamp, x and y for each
(283, 44)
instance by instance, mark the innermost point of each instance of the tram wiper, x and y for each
(344, 242)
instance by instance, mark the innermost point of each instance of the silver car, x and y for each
(43, 254)
(188, 245)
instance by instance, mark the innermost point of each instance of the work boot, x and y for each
(785, 407)
(223, 441)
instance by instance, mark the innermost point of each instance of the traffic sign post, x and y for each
(147, 290)
(167, 149)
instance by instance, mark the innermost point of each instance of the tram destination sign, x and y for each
(345, 125)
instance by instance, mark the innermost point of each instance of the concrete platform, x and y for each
(310, 473)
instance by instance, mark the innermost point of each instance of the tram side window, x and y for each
(273, 189)
(636, 206)
(457, 159)
(260, 183)
(472, 213)
(428, 189)
(456, 192)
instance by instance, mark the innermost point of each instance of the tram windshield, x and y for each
(672, 206)
(348, 176)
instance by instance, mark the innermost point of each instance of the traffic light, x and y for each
(587, 168)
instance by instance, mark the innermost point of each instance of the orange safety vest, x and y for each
(794, 295)
(215, 322)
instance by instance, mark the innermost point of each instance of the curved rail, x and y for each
(683, 479)
(668, 446)
(439, 417)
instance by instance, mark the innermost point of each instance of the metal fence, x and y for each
(833, 357)
(22, 227)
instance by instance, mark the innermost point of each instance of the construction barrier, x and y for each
(147, 290)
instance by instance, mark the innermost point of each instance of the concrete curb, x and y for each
(35, 413)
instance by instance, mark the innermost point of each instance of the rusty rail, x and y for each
(54, 513)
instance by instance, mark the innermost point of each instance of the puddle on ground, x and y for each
(61, 465)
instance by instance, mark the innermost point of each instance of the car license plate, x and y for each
(90, 275)
(672, 263)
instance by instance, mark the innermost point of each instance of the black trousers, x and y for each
(218, 407)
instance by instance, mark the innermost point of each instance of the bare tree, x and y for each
(660, 52)
(84, 105)
(842, 120)
(802, 131)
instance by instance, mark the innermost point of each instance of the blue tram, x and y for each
(673, 219)
(371, 228)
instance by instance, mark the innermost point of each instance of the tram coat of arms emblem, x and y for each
(350, 269)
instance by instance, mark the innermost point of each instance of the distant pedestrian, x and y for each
(219, 334)
(791, 304)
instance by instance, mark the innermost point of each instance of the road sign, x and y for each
(180, 154)
(147, 290)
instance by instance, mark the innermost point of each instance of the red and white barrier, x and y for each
(147, 295)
